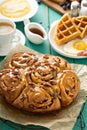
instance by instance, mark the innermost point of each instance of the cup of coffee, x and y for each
(7, 31)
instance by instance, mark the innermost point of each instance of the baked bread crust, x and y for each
(41, 85)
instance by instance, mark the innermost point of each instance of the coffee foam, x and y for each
(5, 28)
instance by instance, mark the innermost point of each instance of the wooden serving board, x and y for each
(55, 6)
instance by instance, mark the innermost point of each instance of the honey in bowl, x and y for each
(37, 31)
(15, 8)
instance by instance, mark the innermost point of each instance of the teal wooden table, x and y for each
(45, 16)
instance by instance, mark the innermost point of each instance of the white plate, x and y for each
(34, 8)
(59, 49)
(19, 38)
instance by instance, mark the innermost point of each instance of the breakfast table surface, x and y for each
(46, 16)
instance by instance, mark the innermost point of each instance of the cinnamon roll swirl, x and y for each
(12, 83)
(55, 62)
(38, 83)
(69, 84)
(22, 60)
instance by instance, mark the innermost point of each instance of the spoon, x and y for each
(34, 32)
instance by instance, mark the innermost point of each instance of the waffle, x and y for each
(81, 23)
(65, 30)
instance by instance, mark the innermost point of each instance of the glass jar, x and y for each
(75, 9)
(83, 10)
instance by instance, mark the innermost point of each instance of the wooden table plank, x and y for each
(55, 6)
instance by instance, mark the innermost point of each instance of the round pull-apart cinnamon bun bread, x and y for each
(38, 83)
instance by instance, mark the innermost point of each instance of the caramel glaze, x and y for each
(38, 83)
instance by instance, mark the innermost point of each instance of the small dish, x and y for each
(35, 32)
(57, 48)
(19, 38)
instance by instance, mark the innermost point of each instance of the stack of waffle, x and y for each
(69, 28)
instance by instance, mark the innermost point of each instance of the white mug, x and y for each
(7, 31)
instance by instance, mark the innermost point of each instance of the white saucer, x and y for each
(19, 38)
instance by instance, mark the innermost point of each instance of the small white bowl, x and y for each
(35, 33)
